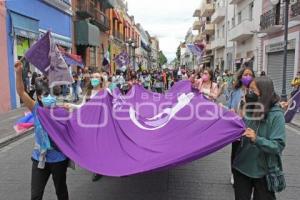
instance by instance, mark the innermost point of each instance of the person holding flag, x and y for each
(47, 159)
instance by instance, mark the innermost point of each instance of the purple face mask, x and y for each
(246, 80)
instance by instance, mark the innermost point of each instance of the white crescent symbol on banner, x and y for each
(156, 122)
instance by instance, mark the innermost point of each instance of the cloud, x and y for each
(169, 20)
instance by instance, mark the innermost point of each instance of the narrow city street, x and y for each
(205, 179)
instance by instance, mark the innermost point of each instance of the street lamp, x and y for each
(286, 30)
(132, 45)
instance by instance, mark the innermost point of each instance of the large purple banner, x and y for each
(118, 135)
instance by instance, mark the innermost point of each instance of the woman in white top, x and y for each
(96, 85)
(206, 85)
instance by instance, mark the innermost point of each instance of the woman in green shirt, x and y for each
(262, 144)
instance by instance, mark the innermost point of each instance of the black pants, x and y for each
(234, 147)
(244, 186)
(39, 179)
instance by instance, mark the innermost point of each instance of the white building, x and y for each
(187, 59)
(143, 53)
(243, 29)
(221, 45)
(154, 52)
(272, 31)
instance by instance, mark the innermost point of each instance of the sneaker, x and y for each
(96, 177)
(231, 179)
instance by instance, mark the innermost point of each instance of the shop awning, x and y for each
(25, 26)
(87, 34)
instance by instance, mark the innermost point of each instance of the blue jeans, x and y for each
(75, 91)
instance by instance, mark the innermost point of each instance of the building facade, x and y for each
(25, 23)
(91, 31)
(243, 29)
(5, 101)
(187, 59)
(272, 36)
(154, 53)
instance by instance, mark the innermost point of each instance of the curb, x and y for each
(10, 139)
(297, 126)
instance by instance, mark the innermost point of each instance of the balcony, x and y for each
(234, 1)
(63, 5)
(218, 43)
(207, 9)
(197, 13)
(295, 11)
(208, 28)
(197, 25)
(242, 31)
(199, 37)
(270, 22)
(85, 8)
(101, 20)
(218, 15)
(208, 46)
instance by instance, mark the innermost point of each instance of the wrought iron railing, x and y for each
(86, 7)
(269, 19)
(102, 20)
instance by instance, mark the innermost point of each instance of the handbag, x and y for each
(275, 177)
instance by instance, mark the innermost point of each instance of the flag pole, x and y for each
(22, 59)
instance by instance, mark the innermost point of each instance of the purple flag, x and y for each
(195, 49)
(122, 59)
(118, 135)
(45, 56)
(293, 107)
(38, 54)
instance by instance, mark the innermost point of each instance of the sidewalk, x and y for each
(296, 120)
(7, 122)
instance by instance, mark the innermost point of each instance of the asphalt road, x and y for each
(205, 179)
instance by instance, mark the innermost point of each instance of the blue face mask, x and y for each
(48, 101)
(95, 82)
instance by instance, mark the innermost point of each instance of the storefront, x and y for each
(25, 23)
(275, 54)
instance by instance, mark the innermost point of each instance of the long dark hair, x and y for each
(34, 76)
(41, 88)
(210, 72)
(268, 97)
(238, 84)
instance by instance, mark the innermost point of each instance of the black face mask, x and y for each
(251, 97)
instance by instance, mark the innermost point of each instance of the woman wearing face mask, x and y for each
(237, 100)
(258, 155)
(206, 86)
(46, 158)
(95, 86)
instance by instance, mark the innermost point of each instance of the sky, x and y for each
(169, 20)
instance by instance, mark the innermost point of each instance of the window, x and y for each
(93, 55)
(223, 31)
(251, 11)
(239, 17)
(233, 22)
(218, 33)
